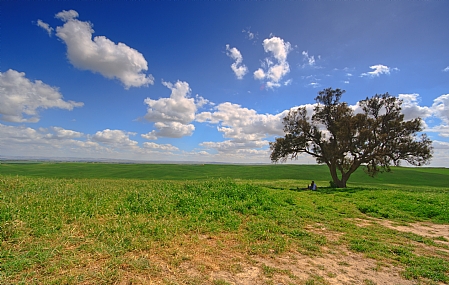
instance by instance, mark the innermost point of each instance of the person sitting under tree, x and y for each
(312, 186)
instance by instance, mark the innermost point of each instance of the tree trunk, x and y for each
(340, 183)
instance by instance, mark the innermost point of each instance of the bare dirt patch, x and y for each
(439, 233)
(204, 259)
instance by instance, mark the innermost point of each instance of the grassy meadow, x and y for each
(95, 223)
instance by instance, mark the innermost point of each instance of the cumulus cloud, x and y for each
(172, 116)
(242, 124)
(159, 147)
(411, 108)
(21, 99)
(101, 54)
(60, 133)
(45, 26)
(239, 69)
(48, 142)
(446, 69)
(170, 130)
(440, 108)
(179, 107)
(378, 70)
(259, 74)
(274, 71)
(114, 138)
(67, 15)
(232, 147)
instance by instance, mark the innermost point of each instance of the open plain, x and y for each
(98, 223)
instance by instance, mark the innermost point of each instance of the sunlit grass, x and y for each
(87, 230)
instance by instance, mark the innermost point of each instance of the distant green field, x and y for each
(420, 177)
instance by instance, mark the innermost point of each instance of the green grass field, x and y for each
(93, 223)
(426, 177)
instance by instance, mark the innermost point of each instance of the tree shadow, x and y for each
(321, 190)
(331, 190)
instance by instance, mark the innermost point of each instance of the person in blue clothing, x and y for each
(312, 186)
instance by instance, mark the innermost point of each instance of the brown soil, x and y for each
(206, 260)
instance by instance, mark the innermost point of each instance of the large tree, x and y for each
(375, 137)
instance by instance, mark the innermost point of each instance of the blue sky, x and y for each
(207, 81)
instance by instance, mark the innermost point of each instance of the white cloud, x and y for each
(259, 74)
(21, 99)
(159, 147)
(229, 146)
(50, 142)
(172, 116)
(67, 15)
(200, 101)
(310, 60)
(114, 138)
(442, 130)
(150, 136)
(101, 54)
(411, 108)
(242, 124)
(170, 130)
(239, 69)
(275, 72)
(446, 69)
(45, 26)
(250, 35)
(440, 107)
(314, 84)
(178, 108)
(60, 133)
(378, 70)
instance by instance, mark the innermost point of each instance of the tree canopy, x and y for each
(375, 137)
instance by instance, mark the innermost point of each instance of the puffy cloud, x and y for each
(21, 98)
(159, 147)
(277, 47)
(440, 107)
(45, 26)
(170, 130)
(232, 147)
(440, 153)
(10, 135)
(411, 108)
(378, 70)
(67, 15)
(442, 130)
(47, 142)
(239, 69)
(259, 74)
(178, 108)
(275, 72)
(242, 124)
(441, 145)
(172, 116)
(60, 133)
(114, 138)
(446, 69)
(101, 54)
